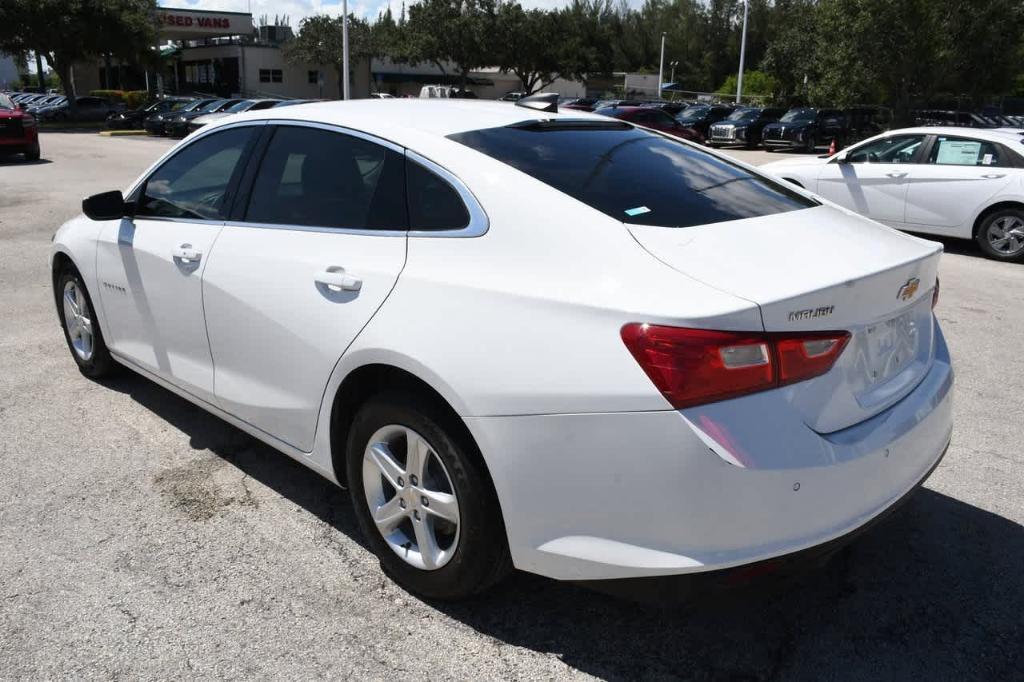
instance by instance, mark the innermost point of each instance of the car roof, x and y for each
(405, 121)
(991, 134)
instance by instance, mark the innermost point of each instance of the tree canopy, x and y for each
(69, 31)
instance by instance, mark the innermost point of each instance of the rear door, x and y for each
(958, 175)
(301, 267)
(875, 178)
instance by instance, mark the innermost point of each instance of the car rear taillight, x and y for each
(696, 366)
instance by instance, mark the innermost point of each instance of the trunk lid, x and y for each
(820, 269)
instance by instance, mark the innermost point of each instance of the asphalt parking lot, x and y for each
(141, 537)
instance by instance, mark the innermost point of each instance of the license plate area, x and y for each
(891, 355)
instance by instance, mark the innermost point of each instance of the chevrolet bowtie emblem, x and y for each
(908, 290)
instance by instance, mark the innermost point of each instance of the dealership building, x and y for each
(226, 54)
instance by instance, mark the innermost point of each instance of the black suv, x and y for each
(805, 128)
(743, 126)
(700, 117)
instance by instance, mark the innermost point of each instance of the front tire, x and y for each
(81, 328)
(423, 501)
(1001, 235)
(32, 154)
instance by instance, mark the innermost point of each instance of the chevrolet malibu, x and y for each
(522, 338)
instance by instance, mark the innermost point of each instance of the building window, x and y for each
(271, 76)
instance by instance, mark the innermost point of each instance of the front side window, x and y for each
(193, 184)
(895, 149)
(801, 115)
(319, 178)
(956, 151)
(633, 175)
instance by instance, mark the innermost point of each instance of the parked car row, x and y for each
(180, 117)
(801, 128)
(55, 107)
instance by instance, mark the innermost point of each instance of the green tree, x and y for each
(754, 83)
(530, 45)
(457, 32)
(70, 31)
(321, 38)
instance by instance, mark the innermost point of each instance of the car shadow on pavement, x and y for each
(935, 591)
(18, 161)
(259, 461)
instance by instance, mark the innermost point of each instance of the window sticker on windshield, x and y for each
(959, 152)
(639, 210)
(986, 160)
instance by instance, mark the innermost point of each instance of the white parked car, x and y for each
(954, 182)
(551, 341)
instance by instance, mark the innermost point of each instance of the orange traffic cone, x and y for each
(832, 148)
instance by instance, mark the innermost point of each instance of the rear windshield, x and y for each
(633, 175)
(5, 102)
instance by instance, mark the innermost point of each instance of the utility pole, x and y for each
(344, 49)
(661, 66)
(743, 52)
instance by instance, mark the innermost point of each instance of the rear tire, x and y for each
(1001, 235)
(416, 544)
(81, 328)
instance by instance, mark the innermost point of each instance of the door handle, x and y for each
(993, 176)
(336, 279)
(897, 174)
(186, 254)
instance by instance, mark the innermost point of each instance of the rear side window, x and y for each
(633, 175)
(319, 178)
(433, 203)
(193, 184)
(956, 151)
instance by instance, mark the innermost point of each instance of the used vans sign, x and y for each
(184, 24)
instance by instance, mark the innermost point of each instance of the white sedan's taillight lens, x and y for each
(696, 366)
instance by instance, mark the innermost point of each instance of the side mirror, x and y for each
(843, 157)
(106, 206)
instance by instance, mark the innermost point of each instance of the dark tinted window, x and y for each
(433, 203)
(633, 175)
(194, 182)
(321, 178)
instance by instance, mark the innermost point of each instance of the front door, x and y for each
(150, 268)
(874, 180)
(300, 270)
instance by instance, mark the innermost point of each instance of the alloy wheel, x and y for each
(411, 498)
(78, 321)
(1006, 235)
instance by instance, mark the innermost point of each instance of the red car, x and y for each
(652, 118)
(18, 131)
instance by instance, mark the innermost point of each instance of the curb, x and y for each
(121, 133)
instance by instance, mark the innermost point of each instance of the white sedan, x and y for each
(551, 341)
(953, 182)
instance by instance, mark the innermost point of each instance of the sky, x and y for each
(296, 10)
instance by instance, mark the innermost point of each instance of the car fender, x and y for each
(77, 240)
(1010, 195)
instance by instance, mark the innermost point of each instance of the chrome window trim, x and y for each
(478, 224)
(188, 142)
(314, 228)
(478, 221)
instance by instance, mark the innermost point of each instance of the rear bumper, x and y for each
(630, 495)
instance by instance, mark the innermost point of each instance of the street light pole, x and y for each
(743, 52)
(672, 78)
(661, 66)
(344, 49)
